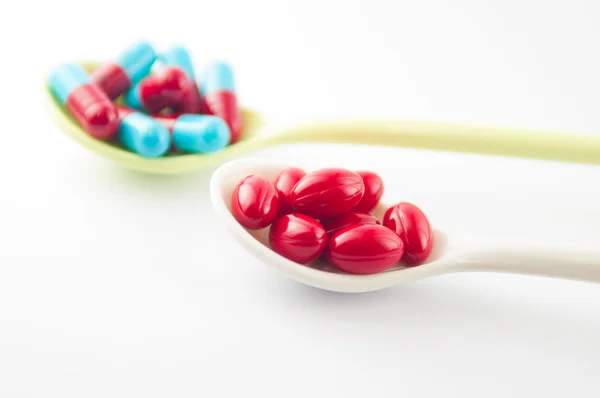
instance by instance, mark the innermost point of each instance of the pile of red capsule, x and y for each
(326, 215)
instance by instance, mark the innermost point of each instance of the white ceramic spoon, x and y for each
(448, 256)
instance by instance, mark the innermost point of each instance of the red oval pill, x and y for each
(373, 191)
(335, 224)
(297, 237)
(327, 193)
(284, 182)
(365, 249)
(254, 202)
(413, 227)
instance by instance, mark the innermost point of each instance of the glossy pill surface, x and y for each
(167, 87)
(284, 182)
(199, 133)
(327, 193)
(254, 202)
(413, 228)
(142, 134)
(178, 56)
(373, 191)
(365, 249)
(335, 224)
(84, 100)
(298, 238)
(130, 66)
(218, 94)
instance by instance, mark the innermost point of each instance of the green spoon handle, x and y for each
(561, 146)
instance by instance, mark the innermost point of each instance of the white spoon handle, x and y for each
(534, 260)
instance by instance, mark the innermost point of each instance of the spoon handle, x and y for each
(562, 146)
(534, 260)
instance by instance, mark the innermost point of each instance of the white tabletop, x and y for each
(119, 284)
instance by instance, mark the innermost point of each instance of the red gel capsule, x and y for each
(327, 193)
(284, 182)
(254, 202)
(373, 191)
(365, 249)
(112, 79)
(94, 111)
(167, 88)
(412, 226)
(298, 238)
(333, 225)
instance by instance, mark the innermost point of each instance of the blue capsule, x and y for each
(143, 135)
(200, 133)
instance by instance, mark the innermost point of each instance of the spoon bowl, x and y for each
(318, 273)
(170, 164)
(570, 147)
(449, 254)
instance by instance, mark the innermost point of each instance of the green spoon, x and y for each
(569, 147)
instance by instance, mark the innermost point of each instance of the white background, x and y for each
(115, 284)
